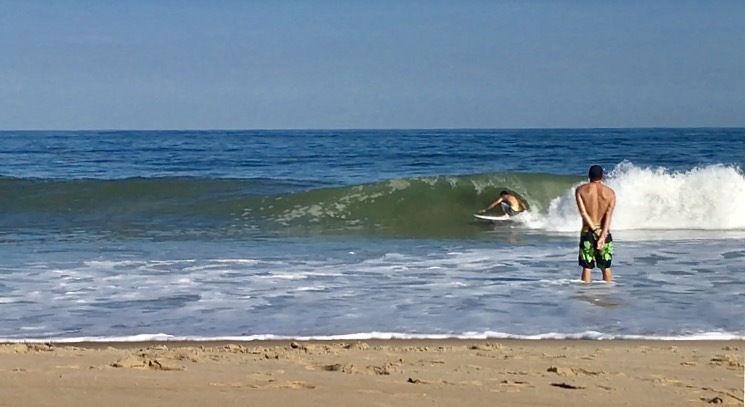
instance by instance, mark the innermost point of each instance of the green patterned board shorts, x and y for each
(589, 256)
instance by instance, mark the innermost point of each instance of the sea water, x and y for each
(241, 235)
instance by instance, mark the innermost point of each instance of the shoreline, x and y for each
(381, 337)
(449, 341)
(406, 372)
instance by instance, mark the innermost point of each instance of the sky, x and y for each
(371, 64)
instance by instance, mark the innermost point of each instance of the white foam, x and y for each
(518, 289)
(703, 198)
(586, 335)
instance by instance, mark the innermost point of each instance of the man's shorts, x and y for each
(589, 256)
(508, 209)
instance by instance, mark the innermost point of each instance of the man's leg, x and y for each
(586, 258)
(605, 257)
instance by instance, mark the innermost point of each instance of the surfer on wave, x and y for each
(511, 204)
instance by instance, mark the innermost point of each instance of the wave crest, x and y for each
(703, 198)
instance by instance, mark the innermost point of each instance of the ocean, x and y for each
(360, 234)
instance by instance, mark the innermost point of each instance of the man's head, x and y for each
(504, 193)
(595, 173)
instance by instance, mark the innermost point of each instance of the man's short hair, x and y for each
(595, 173)
(503, 193)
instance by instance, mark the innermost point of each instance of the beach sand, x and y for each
(374, 373)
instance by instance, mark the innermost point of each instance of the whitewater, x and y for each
(702, 198)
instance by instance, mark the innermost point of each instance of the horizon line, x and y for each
(370, 129)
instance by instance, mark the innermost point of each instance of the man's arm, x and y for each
(495, 203)
(522, 203)
(607, 219)
(582, 211)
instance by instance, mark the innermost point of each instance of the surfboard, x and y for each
(492, 218)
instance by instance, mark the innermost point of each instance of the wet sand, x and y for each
(375, 373)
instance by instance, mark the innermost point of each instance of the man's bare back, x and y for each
(598, 201)
(595, 202)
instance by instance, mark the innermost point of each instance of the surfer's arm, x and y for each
(495, 203)
(524, 204)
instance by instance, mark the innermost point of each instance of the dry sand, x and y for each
(374, 373)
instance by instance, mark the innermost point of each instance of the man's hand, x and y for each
(600, 243)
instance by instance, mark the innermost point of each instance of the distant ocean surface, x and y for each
(244, 235)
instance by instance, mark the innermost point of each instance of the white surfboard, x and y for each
(492, 218)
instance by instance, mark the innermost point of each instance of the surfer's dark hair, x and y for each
(503, 193)
(595, 173)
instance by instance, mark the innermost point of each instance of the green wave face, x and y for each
(421, 207)
(244, 209)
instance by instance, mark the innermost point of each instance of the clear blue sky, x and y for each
(318, 64)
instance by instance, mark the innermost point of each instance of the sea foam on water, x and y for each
(703, 198)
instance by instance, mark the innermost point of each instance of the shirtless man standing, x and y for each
(595, 202)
